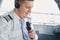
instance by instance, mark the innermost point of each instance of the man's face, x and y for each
(25, 8)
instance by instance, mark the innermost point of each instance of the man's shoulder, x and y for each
(5, 21)
(6, 18)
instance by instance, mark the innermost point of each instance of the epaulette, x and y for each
(8, 18)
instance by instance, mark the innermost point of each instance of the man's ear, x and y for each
(17, 5)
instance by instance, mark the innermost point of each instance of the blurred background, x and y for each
(45, 17)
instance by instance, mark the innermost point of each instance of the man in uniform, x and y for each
(15, 25)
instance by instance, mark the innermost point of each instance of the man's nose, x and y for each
(29, 10)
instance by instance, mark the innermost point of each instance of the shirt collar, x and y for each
(16, 15)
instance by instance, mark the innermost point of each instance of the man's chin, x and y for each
(25, 16)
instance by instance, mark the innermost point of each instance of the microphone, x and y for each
(28, 24)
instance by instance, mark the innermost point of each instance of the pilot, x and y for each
(14, 26)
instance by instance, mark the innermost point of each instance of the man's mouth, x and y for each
(27, 13)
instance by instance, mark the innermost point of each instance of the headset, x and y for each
(17, 5)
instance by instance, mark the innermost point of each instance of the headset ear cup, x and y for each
(17, 5)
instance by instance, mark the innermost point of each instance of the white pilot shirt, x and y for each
(10, 30)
